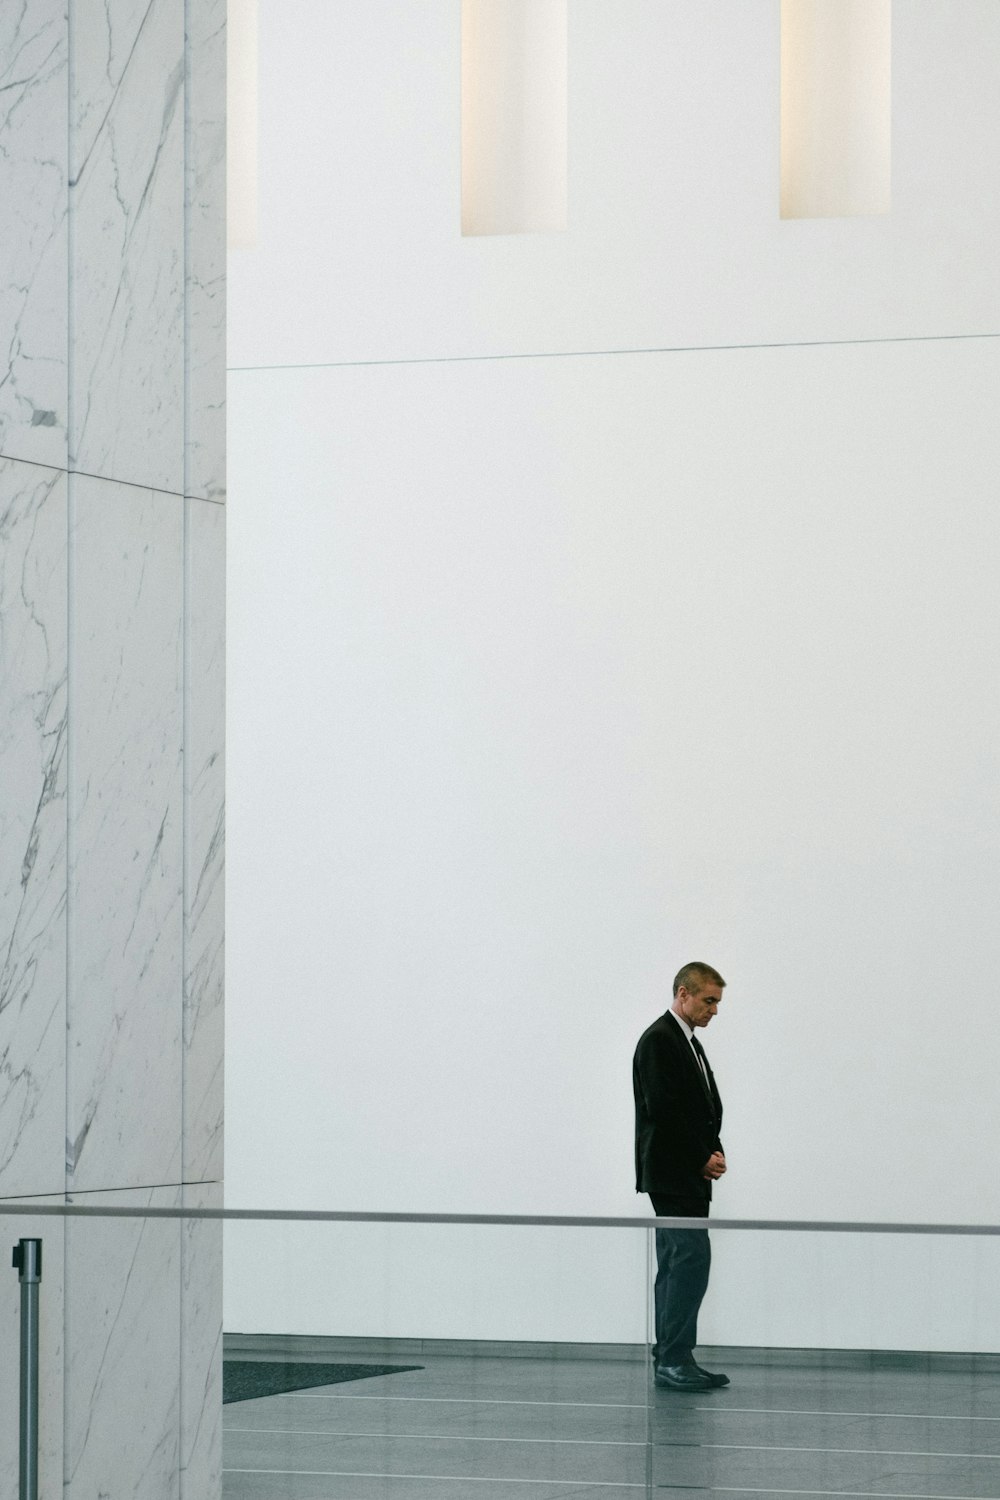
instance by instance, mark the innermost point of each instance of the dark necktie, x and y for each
(699, 1053)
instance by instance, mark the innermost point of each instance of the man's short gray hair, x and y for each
(694, 977)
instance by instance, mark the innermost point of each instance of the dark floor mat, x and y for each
(246, 1379)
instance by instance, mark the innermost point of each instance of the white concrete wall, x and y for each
(551, 672)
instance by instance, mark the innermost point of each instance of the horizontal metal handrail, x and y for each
(26, 1208)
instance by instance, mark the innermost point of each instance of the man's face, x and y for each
(698, 1009)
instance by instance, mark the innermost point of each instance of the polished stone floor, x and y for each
(542, 1428)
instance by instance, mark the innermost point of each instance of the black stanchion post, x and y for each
(28, 1263)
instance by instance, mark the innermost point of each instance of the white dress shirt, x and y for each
(689, 1033)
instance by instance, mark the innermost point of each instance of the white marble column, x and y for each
(112, 548)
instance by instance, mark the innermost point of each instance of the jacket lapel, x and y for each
(694, 1063)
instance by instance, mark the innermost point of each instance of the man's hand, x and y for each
(715, 1166)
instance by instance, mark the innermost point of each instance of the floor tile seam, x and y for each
(472, 1401)
(604, 1484)
(869, 1416)
(764, 1411)
(622, 1484)
(720, 1489)
(742, 1489)
(835, 1452)
(453, 1437)
(465, 1437)
(464, 359)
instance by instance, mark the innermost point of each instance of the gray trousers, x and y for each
(683, 1261)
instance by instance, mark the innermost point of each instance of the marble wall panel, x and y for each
(33, 647)
(205, 292)
(205, 561)
(201, 1346)
(33, 245)
(127, 263)
(122, 1339)
(124, 1063)
(112, 367)
(50, 1231)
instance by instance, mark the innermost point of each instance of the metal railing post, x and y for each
(28, 1263)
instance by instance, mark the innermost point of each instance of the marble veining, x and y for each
(33, 727)
(123, 1351)
(205, 842)
(112, 382)
(125, 875)
(127, 210)
(33, 245)
(205, 297)
(201, 1346)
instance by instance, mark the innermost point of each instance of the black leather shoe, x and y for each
(682, 1378)
(715, 1378)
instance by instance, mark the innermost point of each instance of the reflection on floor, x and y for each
(550, 1428)
(249, 1379)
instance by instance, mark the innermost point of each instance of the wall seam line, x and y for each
(466, 359)
(132, 484)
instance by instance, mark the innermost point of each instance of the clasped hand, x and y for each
(715, 1166)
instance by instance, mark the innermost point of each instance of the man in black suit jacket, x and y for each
(678, 1155)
